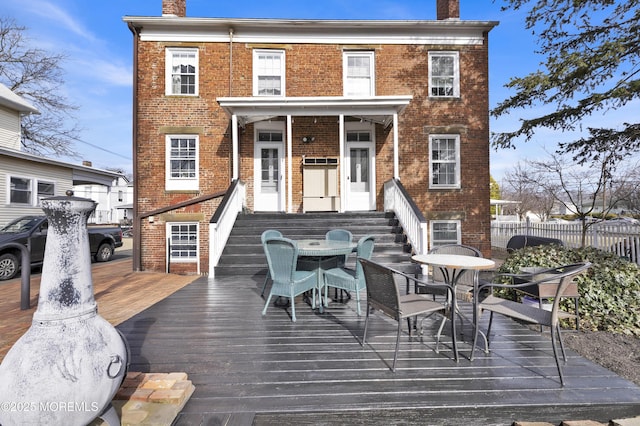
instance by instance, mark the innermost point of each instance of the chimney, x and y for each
(174, 8)
(87, 163)
(448, 9)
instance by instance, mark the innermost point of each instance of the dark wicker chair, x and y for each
(383, 295)
(563, 276)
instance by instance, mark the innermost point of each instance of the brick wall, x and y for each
(312, 70)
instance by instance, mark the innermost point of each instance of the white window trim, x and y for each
(432, 240)
(372, 68)
(283, 79)
(34, 200)
(183, 259)
(182, 184)
(456, 73)
(168, 71)
(457, 184)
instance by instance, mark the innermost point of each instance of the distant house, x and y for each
(26, 178)
(115, 202)
(310, 115)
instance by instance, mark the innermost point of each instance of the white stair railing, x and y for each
(411, 219)
(223, 220)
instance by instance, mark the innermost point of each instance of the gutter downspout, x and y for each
(137, 220)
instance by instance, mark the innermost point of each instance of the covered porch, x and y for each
(342, 130)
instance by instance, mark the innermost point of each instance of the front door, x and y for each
(360, 171)
(269, 171)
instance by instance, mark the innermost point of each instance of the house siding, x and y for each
(9, 128)
(12, 166)
(312, 70)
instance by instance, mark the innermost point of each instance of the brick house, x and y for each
(311, 115)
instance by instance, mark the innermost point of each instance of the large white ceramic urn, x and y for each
(69, 364)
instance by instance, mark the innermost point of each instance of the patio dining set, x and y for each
(444, 277)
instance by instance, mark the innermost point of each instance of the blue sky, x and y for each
(98, 47)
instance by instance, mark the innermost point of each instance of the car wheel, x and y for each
(105, 251)
(8, 266)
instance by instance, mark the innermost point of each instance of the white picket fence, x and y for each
(619, 238)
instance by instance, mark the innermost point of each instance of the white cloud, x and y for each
(52, 12)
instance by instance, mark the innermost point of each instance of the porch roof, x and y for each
(377, 109)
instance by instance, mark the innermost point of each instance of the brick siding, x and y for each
(311, 70)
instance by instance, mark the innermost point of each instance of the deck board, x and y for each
(243, 363)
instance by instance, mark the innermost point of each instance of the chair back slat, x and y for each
(382, 292)
(282, 255)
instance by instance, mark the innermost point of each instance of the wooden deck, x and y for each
(119, 292)
(268, 370)
(250, 369)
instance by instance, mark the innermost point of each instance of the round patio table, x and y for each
(452, 267)
(321, 249)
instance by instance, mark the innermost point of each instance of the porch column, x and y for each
(396, 162)
(289, 166)
(343, 170)
(234, 143)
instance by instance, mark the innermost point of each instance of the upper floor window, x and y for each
(445, 232)
(358, 70)
(182, 71)
(29, 191)
(268, 73)
(444, 161)
(444, 74)
(182, 162)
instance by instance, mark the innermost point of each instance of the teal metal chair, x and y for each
(351, 280)
(269, 233)
(282, 256)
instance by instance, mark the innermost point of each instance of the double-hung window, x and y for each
(268, 72)
(29, 191)
(182, 162)
(444, 74)
(45, 189)
(444, 161)
(183, 241)
(445, 232)
(358, 70)
(181, 71)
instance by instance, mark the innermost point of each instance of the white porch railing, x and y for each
(413, 222)
(619, 238)
(222, 222)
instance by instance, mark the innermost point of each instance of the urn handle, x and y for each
(116, 362)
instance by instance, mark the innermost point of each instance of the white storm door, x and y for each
(268, 177)
(360, 172)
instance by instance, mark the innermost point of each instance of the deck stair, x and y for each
(243, 253)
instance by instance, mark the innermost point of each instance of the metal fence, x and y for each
(619, 238)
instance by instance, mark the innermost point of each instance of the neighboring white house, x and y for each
(26, 178)
(115, 203)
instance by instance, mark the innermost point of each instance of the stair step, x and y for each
(244, 255)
